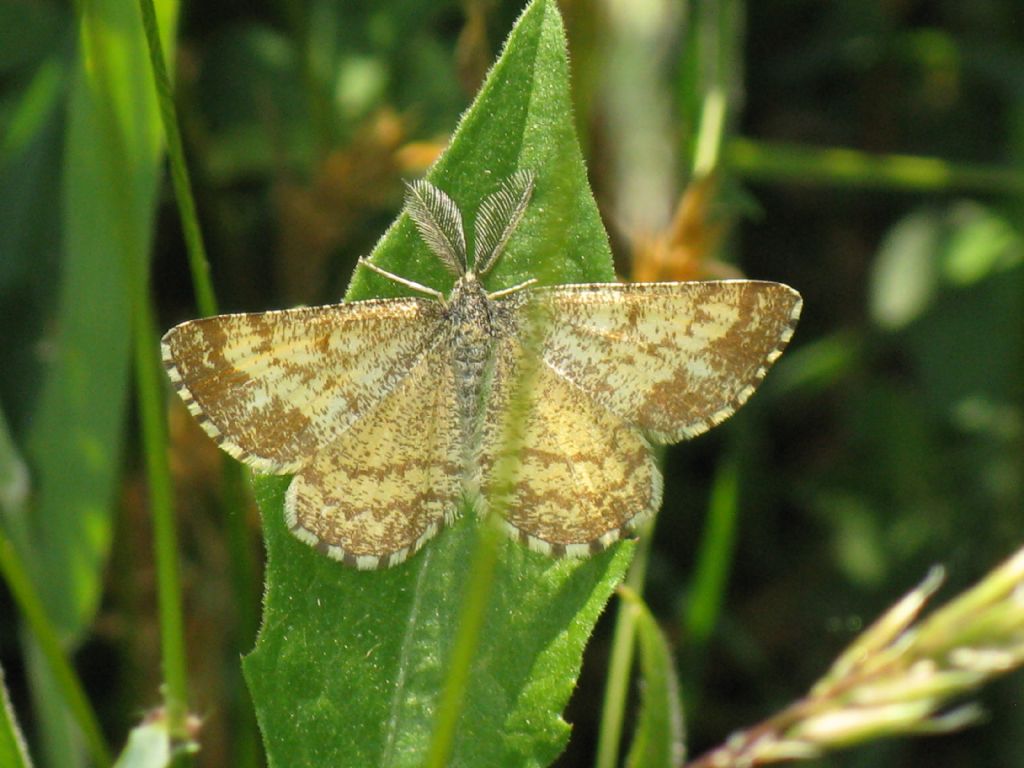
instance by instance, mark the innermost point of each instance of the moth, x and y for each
(540, 402)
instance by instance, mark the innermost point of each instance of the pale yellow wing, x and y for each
(672, 358)
(568, 476)
(375, 495)
(274, 388)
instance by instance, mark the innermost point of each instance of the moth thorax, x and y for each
(472, 324)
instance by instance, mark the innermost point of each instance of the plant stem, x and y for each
(621, 663)
(242, 567)
(154, 440)
(149, 391)
(198, 263)
(479, 581)
(841, 167)
(715, 555)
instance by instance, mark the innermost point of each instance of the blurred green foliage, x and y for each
(889, 437)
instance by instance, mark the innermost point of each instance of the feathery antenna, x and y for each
(497, 218)
(439, 222)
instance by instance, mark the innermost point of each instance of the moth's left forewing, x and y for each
(674, 359)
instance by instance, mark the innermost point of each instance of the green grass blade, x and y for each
(32, 607)
(620, 666)
(350, 667)
(74, 439)
(714, 560)
(13, 752)
(658, 742)
(165, 538)
(123, 111)
(14, 487)
(467, 641)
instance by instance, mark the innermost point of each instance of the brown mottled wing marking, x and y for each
(674, 359)
(569, 476)
(274, 388)
(387, 485)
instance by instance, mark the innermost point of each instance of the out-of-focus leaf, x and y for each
(658, 741)
(30, 235)
(949, 278)
(32, 109)
(13, 472)
(981, 243)
(349, 666)
(716, 554)
(28, 32)
(905, 273)
(14, 488)
(814, 367)
(149, 746)
(13, 752)
(75, 441)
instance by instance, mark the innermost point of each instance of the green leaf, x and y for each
(716, 552)
(150, 745)
(28, 33)
(14, 484)
(658, 741)
(349, 666)
(74, 445)
(13, 752)
(904, 278)
(982, 244)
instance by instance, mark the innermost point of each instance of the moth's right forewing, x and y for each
(273, 388)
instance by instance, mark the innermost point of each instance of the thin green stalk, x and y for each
(841, 167)
(717, 80)
(712, 130)
(242, 566)
(716, 53)
(149, 391)
(621, 664)
(31, 606)
(715, 556)
(721, 52)
(479, 581)
(148, 372)
(243, 719)
(198, 263)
